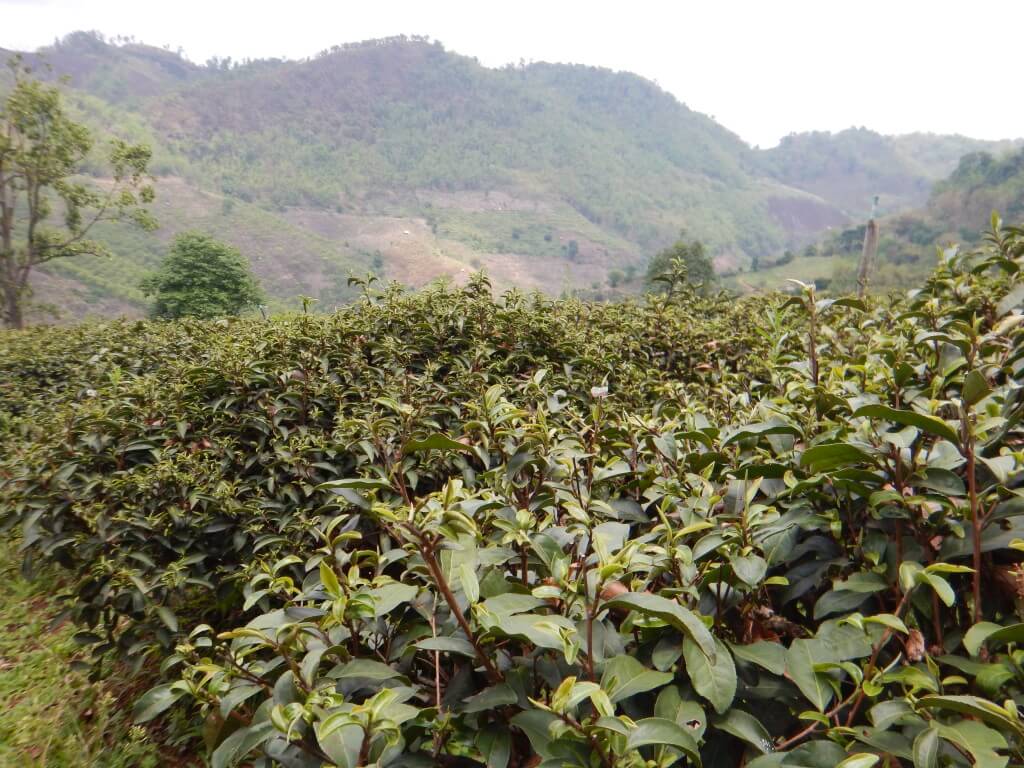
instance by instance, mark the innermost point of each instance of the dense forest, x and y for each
(400, 157)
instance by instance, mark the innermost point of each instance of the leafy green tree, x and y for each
(41, 151)
(684, 262)
(201, 277)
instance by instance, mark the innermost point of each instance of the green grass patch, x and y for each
(52, 715)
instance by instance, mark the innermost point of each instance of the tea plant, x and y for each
(448, 529)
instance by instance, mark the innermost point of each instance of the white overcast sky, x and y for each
(763, 68)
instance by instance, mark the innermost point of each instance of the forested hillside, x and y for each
(400, 157)
(850, 167)
(980, 183)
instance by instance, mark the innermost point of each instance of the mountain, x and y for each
(403, 158)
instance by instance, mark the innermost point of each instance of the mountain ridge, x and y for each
(400, 156)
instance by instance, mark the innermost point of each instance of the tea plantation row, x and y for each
(451, 529)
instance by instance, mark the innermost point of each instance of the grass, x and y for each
(803, 268)
(52, 715)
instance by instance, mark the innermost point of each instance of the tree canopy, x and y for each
(41, 152)
(684, 262)
(201, 277)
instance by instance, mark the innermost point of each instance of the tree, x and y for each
(684, 262)
(41, 152)
(201, 277)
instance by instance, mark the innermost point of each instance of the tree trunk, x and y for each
(13, 317)
(867, 257)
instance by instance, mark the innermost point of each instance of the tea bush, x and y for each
(448, 529)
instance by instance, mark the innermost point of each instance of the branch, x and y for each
(427, 551)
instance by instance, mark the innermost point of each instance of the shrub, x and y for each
(442, 529)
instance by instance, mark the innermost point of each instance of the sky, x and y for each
(762, 68)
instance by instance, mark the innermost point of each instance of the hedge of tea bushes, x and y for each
(448, 528)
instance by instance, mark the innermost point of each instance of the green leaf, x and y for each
(671, 613)
(1011, 300)
(613, 724)
(944, 481)
(671, 705)
(973, 706)
(979, 740)
(536, 725)
(624, 676)
(940, 585)
(167, 617)
(926, 749)
(656, 731)
(458, 645)
(470, 585)
(667, 651)
(436, 442)
(236, 696)
(542, 631)
(975, 388)
(495, 744)
(511, 603)
(359, 483)
(888, 712)
(156, 700)
(364, 668)
(714, 680)
(822, 458)
(387, 597)
(745, 726)
(1000, 466)
(240, 743)
(889, 620)
(859, 760)
(764, 653)
(750, 569)
(929, 424)
(800, 660)
(756, 430)
(490, 698)
(813, 754)
(852, 303)
(330, 580)
(1004, 636)
(837, 601)
(862, 581)
(977, 634)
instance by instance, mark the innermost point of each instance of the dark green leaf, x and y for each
(930, 424)
(823, 458)
(714, 680)
(436, 442)
(671, 613)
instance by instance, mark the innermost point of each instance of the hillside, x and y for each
(850, 167)
(403, 158)
(980, 183)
